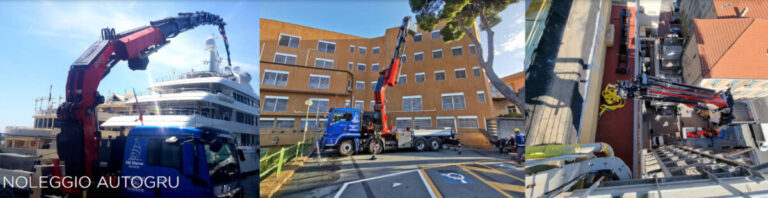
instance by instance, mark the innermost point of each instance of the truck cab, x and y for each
(343, 124)
(196, 162)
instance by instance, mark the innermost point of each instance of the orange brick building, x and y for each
(442, 84)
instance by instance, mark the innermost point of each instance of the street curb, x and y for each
(273, 183)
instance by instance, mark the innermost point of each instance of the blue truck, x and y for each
(350, 131)
(205, 160)
(193, 162)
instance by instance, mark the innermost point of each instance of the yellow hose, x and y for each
(612, 99)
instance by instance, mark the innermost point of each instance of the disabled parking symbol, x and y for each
(455, 178)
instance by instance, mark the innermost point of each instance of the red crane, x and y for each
(389, 77)
(78, 142)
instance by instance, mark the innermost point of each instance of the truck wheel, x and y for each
(379, 146)
(420, 144)
(346, 148)
(434, 144)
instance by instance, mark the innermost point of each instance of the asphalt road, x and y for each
(474, 173)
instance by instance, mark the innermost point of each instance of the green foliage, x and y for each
(458, 15)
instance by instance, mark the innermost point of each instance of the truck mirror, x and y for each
(241, 154)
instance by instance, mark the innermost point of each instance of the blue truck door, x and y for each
(342, 123)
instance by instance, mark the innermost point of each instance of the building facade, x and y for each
(728, 53)
(503, 106)
(440, 84)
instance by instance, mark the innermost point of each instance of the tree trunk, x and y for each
(505, 90)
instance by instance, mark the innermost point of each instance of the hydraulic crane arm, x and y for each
(656, 89)
(388, 76)
(78, 142)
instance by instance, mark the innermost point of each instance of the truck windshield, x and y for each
(341, 116)
(222, 165)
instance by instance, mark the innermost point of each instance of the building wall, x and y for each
(691, 62)
(592, 107)
(695, 9)
(297, 88)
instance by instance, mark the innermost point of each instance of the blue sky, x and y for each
(43, 38)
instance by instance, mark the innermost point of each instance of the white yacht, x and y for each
(220, 97)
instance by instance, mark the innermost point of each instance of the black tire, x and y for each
(420, 144)
(378, 143)
(434, 144)
(346, 147)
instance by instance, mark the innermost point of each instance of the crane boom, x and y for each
(78, 142)
(388, 77)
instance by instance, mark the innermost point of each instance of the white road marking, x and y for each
(343, 187)
(429, 188)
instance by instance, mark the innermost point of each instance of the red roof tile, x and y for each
(732, 8)
(733, 48)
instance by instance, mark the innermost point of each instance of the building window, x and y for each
(412, 103)
(351, 66)
(362, 50)
(481, 96)
(310, 124)
(373, 104)
(361, 67)
(439, 75)
(319, 81)
(359, 104)
(352, 49)
(326, 46)
(288, 59)
(468, 122)
(375, 67)
(402, 79)
(403, 59)
(418, 56)
(453, 101)
(404, 122)
(437, 54)
(511, 109)
(417, 37)
(274, 77)
(289, 41)
(373, 85)
(275, 104)
(435, 34)
(285, 123)
(460, 73)
(457, 51)
(448, 121)
(376, 50)
(319, 105)
(476, 71)
(323, 63)
(472, 48)
(360, 85)
(419, 77)
(266, 123)
(422, 122)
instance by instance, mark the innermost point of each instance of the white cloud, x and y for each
(513, 42)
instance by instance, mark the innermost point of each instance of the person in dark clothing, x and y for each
(519, 142)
